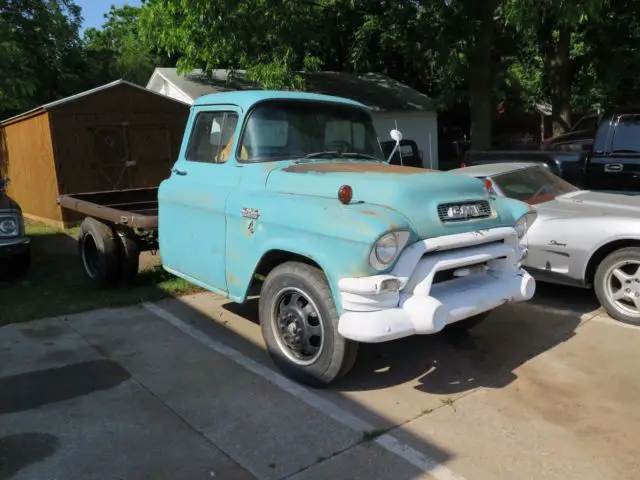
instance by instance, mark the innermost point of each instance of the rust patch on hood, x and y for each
(369, 212)
(354, 168)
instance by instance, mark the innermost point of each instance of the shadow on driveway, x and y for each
(34, 389)
(23, 449)
(449, 362)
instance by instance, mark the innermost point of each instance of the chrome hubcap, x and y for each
(622, 286)
(297, 326)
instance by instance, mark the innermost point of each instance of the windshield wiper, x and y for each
(328, 153)
(336, 153)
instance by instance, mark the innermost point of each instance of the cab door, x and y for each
(192, 224)
(617, 168)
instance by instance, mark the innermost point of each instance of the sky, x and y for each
(93, 10)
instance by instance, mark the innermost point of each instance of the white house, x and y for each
(392, 102)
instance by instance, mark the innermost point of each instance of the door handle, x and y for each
(613, 167)
(177, 171)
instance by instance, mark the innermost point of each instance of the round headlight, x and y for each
(524, 223)
(8, 226)
(386, 248)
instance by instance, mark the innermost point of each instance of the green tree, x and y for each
(556, 29)
(272, 39)
(116, 51)
(40, 52)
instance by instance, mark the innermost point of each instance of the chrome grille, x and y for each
(461, 211)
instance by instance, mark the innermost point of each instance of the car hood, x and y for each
(413, 192)
(595, 204)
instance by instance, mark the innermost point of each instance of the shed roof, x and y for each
(78, 96)
(377, 91)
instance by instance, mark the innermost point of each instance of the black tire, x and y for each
(99, 252)
(603, 275)
(468, 323)
(129, 257)
(336, 354)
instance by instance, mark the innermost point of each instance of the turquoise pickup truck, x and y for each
(290, 192)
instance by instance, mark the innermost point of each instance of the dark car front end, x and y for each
(15, 246)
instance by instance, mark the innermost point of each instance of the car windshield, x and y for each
(286, 129)
(532, 185)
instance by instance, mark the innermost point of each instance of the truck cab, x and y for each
(290, 192)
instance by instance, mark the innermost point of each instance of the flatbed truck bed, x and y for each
(117, 226)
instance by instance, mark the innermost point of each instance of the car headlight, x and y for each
(387, 248)
(8, 226)
(524, 223)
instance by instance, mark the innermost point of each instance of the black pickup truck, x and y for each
(604, 158)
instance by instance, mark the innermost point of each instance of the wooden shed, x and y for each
(116, 136)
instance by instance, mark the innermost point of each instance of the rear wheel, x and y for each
(617, 285)
(129, 256)
(299, 324)
(99, 253)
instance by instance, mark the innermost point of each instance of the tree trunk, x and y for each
(480, 80)
(559, 76)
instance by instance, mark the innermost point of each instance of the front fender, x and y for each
(337, 237)
(603, 243)
(510, 209)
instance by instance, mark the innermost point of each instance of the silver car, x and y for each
(580, 238)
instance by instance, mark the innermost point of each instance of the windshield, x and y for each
(286, 129)
(586, 123)
(532, 185)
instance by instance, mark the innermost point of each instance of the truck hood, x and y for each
(415, 193)
(595, 204)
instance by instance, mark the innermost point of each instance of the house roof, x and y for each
(77, 96)
(374, 90)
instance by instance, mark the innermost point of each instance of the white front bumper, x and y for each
(417, 305)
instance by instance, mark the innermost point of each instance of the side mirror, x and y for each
(396, 136)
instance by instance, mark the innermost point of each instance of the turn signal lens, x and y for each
(489, 186)
(345, 194)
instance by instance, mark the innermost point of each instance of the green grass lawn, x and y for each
(57, 285)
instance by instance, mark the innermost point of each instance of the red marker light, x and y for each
(345, 194)
(463, 165)
(489, 186)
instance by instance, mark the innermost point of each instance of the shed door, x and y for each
(150, 147)
(111, 156)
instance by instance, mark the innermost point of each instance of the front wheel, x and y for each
(299, 324)
(617, 285)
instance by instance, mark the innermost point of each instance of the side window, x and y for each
(211, 137)
(626, 138)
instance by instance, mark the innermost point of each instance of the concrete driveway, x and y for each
(184, 389)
